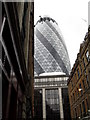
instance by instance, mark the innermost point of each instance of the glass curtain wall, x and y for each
(52, 104)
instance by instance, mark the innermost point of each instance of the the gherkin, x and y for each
(50, 50)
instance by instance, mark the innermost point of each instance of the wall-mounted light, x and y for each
(80, 89)
(89, 111)
(78, 117)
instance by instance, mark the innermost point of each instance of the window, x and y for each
(83, 105)
(73, 97)
(77, 92)
(80, 110)
(87, 56)
(52, 102)
(75, 77)
(87, 80)
(83, 83)
(85, 71)
(72, 113)
(81, 68)
(75, 113)
(72, 84)
(83, 62)
(87, 104)
(78, 73)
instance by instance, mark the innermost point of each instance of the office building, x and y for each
(51, 71)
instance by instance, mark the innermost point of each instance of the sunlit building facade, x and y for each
(51, 71)
(79, 82)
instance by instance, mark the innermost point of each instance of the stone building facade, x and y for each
(79, 82)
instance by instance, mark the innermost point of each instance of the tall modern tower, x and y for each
(50, 50)
(51, 70)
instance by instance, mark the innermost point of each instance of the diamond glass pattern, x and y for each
(50, 50)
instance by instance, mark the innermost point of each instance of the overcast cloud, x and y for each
(72, 18)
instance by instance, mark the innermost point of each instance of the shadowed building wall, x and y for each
(16, 33)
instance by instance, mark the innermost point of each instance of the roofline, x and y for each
(43, 19)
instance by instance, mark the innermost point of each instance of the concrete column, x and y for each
(44, 104)
(61, 104)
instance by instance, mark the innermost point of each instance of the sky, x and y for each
(72, 19)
